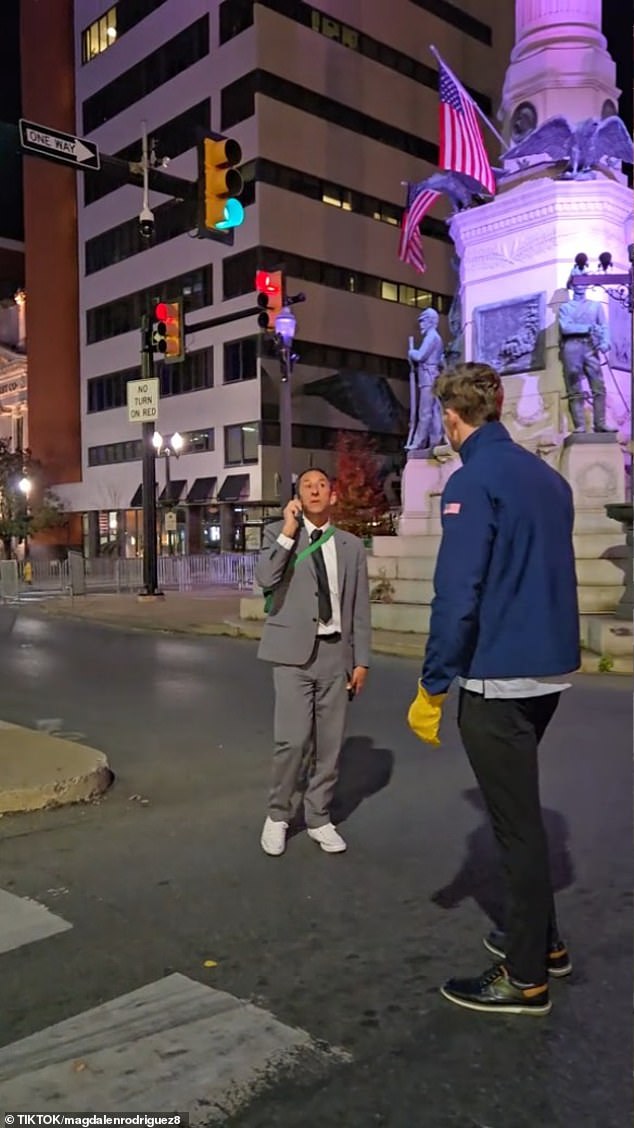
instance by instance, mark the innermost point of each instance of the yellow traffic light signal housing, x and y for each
(270, 287)
(219, 185)
(168, 335)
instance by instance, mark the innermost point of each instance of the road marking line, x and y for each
(22, 921)
(174, 1043)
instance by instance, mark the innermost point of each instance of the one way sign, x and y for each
(58, 146)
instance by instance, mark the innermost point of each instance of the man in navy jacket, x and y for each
(505, 623)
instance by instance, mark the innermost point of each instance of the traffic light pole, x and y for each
(150, 561)
(286, 425)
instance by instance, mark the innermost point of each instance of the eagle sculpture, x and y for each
(583, 146)
(460, 189)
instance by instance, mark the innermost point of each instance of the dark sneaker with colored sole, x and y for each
(495, 992)
(558, 962)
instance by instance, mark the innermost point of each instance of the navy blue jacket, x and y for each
(505, 587)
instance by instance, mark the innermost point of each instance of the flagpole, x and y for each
(479, 109)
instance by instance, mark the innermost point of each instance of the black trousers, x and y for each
(501, 738)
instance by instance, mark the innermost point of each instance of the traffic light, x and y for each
(270, 287)
(168, 337)
(219, 185)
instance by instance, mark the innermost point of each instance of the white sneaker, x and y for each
(328, 838)
(273, 840)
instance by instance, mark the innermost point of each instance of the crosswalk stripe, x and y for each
(22, 921)
(172, 1045)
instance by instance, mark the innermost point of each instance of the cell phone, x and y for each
(299, 517)
(351, 693)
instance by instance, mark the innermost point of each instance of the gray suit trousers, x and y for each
(310, 716)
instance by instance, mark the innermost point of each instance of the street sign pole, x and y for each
(150, 561)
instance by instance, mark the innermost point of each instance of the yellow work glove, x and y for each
(424, 715)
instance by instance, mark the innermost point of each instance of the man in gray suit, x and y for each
(317, 635)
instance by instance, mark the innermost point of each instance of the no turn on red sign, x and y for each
(143, 400)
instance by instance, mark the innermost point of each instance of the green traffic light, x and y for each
(234, 215)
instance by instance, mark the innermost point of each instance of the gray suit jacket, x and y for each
(290, 630)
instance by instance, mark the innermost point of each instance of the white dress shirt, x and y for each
(329, 553)
(512, 687)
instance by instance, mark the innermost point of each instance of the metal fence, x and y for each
(77, 575)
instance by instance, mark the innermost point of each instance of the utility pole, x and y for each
(150, 561)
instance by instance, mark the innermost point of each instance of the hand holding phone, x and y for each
(293, 517)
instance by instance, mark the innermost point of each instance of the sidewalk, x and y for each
(216, 611)
(212, 611)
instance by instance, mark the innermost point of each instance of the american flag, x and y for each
(410, 249)
(461, 145)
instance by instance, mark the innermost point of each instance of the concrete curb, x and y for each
(38, 770)
(399, 647)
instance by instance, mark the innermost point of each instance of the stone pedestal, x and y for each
(516, 254)
(423, 481)
(624, 513)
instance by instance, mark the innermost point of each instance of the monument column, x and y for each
(559, 65)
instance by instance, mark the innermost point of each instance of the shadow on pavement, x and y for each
(480, 875)
(363, 770)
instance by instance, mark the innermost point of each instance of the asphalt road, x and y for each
(165, 873)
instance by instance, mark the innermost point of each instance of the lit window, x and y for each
(423, 299)
(99, 36)
(331, 195)
(389, 291)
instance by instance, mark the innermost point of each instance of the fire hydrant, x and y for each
(28, 572)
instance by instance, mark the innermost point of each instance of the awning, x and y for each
(175, 492)
(202, 490)
(234, 488)
(137, 500)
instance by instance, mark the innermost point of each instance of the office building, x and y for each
(334, 108)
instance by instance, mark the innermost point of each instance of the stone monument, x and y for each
(553, 207)
(425, 427)
(584, 337)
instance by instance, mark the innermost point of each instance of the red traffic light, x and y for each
(161, 311)
(267, 283)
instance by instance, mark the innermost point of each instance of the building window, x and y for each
(132, 450)
(241, 360)
(237, 15)
(193, 374)
(172, 58)
(238, 103)
(263, 171)
(239, 272)
(200, 441)
(234, 17)
(105, 31)
(171, 219)
(455, 16)
(307, 437)
(99, 36)
(241, 444)
(125, 313)
(172, 138)
(131, 12)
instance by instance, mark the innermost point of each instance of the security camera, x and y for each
(146, 223)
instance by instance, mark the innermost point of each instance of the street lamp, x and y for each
(25, 485)
(285, 326)
(168, 447)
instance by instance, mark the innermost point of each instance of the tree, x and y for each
(361, 505)
(24, 513)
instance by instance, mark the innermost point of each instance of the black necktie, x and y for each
(323, 587)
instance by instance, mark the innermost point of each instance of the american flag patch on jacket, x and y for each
(452, 507)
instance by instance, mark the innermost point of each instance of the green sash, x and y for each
(312, 547)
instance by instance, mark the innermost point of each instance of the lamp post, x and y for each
(25, 485)
(285, 326)
(168, 447)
